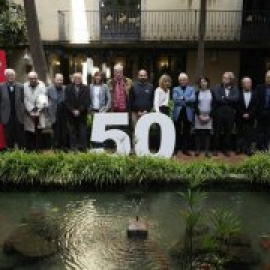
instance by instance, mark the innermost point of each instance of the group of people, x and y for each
(27, 110)
(216, 113)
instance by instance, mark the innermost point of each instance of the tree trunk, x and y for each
(36, 47)
(201, 36)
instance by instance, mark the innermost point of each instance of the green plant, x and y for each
(257, 168)
(12, 24)
(107, 170)
(225, 224)
(192, 216)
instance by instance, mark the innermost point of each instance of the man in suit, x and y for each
(77, 101)
(12, 110)
(263, 113)
(245, 116)
(226, 96)
(184, 98)
(57, 111)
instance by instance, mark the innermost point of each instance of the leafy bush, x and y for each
(105, 170)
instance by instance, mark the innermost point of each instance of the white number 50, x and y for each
(122, 140)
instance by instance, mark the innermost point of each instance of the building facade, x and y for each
(85, 35)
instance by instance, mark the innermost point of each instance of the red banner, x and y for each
(3, 64)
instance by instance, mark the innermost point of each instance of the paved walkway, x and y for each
(233, 159)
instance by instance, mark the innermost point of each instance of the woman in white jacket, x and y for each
(162, 95)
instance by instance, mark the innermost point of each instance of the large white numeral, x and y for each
(100, 134)
(142, 130)
(167, 135)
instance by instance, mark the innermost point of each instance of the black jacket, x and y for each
(225, 106)
(261, 94)
(251, 109)
(141, 97)
(78, 102)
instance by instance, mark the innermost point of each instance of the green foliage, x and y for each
(105, 170)
(225, 223)
(257, 168)
(12, 24)
(205, 244)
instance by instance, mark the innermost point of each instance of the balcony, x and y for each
(170, 25)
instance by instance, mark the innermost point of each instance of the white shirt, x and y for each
(96, 101)
(161, 98)
(247, 97)
(227, 92)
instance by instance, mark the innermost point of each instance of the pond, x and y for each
(92, 226)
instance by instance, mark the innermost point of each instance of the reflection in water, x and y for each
(91, 228)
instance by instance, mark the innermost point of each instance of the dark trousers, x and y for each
(14, 133)
(60, 129)
(263, 133)
(165, 110)
(223, 127)
(183, 125)
(202, 139)
(245, 134)
(77, 135)
(34, 140)
(59, 135)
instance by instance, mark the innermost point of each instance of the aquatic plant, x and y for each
(192, 215)
(225, 224)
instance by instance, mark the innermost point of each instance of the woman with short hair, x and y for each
(162, 95)
(204, 100)
(100, 95)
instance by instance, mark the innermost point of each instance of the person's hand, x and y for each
(204, 119)
(143, 113)
(246, 116)
(76, 113)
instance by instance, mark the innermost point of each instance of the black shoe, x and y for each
(238, 152)
(249, 153)
(187, 153)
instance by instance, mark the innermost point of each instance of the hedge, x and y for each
(108, 170)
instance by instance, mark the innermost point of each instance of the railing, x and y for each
(256, 26)
(170, 25)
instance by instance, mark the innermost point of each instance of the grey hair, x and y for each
(9, 70)
(183, 75)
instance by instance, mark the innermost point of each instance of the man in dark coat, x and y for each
(12, 110)
(245, 116)
(226, 96)
(263, 113)
(57, 112)
(77, 101)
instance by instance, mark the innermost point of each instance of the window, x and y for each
(118, 4)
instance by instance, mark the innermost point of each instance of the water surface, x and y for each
(92, 226)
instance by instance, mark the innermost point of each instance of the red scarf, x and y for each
(119, 95)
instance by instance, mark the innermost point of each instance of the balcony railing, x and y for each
(170, 25)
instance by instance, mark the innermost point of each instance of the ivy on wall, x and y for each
(12, 24)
